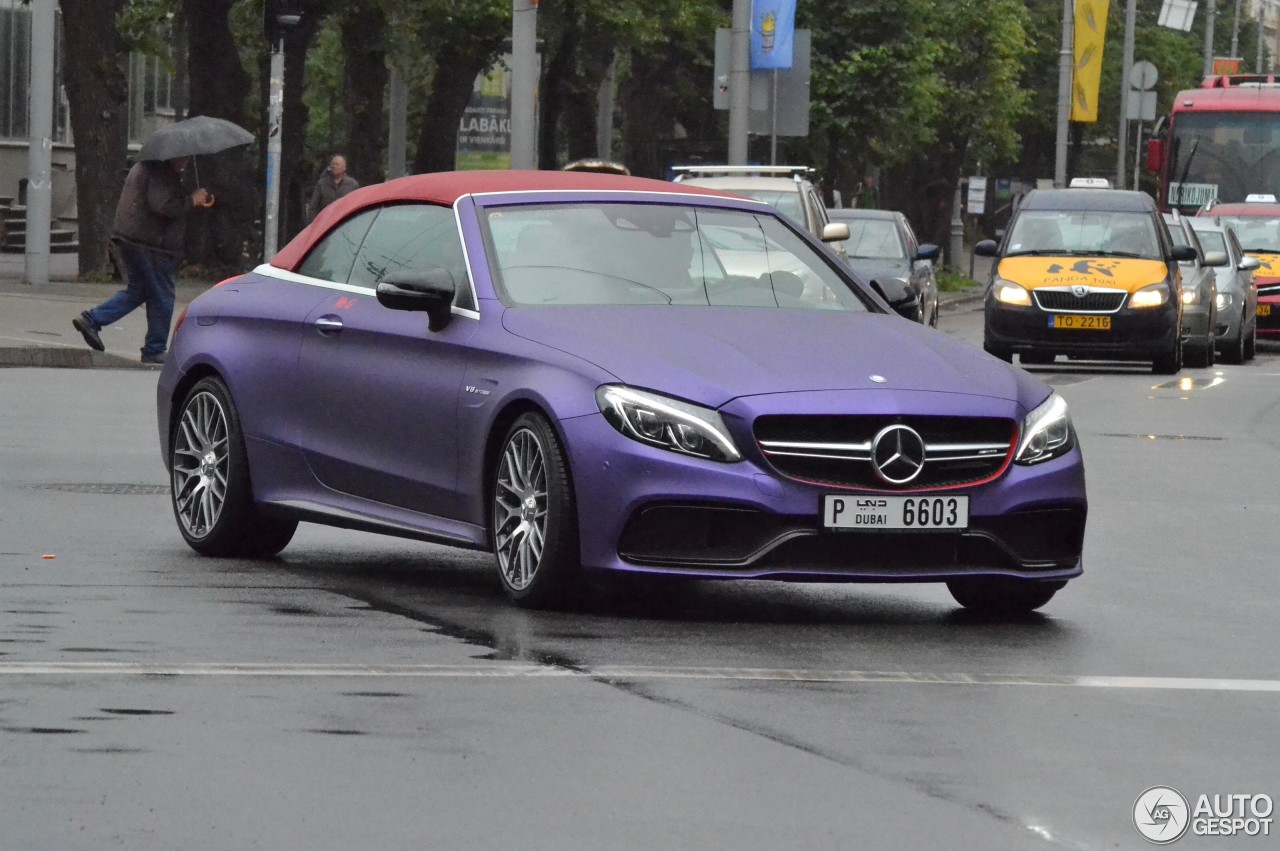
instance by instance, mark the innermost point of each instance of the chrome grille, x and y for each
(1093, 301)
(836, 450)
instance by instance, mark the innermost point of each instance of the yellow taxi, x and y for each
(1086, 273)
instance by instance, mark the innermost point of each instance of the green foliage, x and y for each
(145, 27)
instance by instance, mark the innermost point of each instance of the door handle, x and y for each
(328, 325)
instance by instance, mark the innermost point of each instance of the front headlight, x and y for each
(1191, 296)
(666, 422)
(1152, 296)
(1223, 300)
(1007, 293)
(1046, 432)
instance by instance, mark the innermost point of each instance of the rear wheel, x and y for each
(209, 480)
(534, 522)
(1000, 595)
(1169, 362)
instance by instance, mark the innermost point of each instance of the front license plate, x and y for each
(895, 512)
(1264, 310)
(1080, 323)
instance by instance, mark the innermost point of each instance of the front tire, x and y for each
(1251, 342)
(1000, 595)
(1235, 351)
(1170, 362)
(534, 520)
(209, 481)
(1201, 357)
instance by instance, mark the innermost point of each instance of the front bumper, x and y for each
(1196, 324)
(1134, 334)
(647, 510)
(1269, 316)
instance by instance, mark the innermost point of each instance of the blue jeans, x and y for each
(150, 276)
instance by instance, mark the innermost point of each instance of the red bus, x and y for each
(1221, 142)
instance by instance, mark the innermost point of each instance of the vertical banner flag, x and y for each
(773, 28)
(1091, 32)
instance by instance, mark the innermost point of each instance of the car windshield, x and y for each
(785, 202)
(875, 239)
(657, 254)
(1256, 233)
(1211, 240)
(1095, 233)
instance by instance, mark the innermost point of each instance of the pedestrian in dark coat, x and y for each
(146, 237)
(331, 186)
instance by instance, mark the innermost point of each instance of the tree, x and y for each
(363, 24)
(98, 95)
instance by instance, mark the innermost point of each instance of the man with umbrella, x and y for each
(149, 228)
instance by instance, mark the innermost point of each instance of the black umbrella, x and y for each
(199, 135)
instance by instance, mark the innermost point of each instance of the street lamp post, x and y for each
(1064, 91)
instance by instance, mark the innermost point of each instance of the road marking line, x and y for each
(625, 672)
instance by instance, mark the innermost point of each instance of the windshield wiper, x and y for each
(1046, 252)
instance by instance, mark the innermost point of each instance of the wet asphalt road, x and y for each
(365, 692)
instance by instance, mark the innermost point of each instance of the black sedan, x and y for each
(884, 251)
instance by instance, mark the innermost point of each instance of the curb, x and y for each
(50, 357)
(962, 298)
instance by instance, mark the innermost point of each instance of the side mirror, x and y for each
(1184, 253)
(986, 248)
(1155, 155)
(928, 252)
(427, 290)
(1216, 258)
(835, 232)
(898, 293)
(1248, 264)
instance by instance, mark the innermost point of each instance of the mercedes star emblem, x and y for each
(897, 454)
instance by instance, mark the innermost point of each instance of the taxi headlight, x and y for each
(1046, 432)
(1152, 296)
(1007, 293)
(667, 423)
(1223, 300)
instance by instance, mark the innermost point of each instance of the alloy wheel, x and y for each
(201, 466)
(520, 509)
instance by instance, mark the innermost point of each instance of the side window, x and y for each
(908, 238)
(413, 236)
(818, 212)
(331, 258)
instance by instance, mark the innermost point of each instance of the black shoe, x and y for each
(85, 326)
(158, 357)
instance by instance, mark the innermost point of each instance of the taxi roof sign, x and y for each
(1089, 183)
(1260, 198)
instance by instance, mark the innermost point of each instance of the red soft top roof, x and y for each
(448, 186)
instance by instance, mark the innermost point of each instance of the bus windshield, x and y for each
(1223, 155)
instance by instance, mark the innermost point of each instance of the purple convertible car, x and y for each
(592, 374)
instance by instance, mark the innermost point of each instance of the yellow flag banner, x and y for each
(1091, 33)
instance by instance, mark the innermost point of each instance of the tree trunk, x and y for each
(450, 93)
(218, 82)
(644, 111)
(296, 179)
(556, 79)
(219, 87)
(98, 95)
(364, 48)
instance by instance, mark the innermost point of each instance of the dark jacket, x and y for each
(326, 193)
(152, 208)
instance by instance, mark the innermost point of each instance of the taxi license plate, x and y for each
(1080, 323)
(1264, 310)
(895, 512)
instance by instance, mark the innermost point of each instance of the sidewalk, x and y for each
(35, 322)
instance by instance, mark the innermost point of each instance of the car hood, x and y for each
(713, 355)
(1109, 272)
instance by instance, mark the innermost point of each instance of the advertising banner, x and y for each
(1091, 33)
(484, 131)
(773, 27)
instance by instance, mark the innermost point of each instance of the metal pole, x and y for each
(1064, 92)
(1137, 154)
(524, 83)
(1262, 16)
(773, 121)
(275, 129)
(1235, 32)
(1130, 21)
(40, 144)
(739, 81)
(1211, 14)
(956, 249)
(397, 121)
